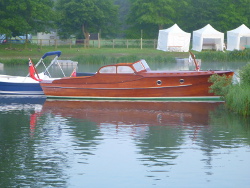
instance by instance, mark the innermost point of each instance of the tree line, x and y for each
(119, 18)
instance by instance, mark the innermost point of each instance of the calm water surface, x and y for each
(50, 143)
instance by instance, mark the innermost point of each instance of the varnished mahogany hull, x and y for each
(134, 86)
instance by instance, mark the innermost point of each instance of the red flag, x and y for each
(33, 122)
(73, 74)
(32, 71)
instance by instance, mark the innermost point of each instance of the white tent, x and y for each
(208, 38)
(173, 39)
(238, 38)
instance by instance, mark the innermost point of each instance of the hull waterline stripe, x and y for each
(198, 98)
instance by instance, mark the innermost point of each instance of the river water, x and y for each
(53, 143)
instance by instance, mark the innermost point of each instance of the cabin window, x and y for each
(138, 66)
(181, 81)
(124, 69)
(144, 63)
(109, 69)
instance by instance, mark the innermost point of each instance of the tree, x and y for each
(80, 17)
(190, 15)
(198, 14)
(25, 17)
(124, 7)
(223, 15)
(235, 14)
(159, 12)
(153, 15)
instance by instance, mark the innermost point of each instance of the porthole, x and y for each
(159, 82)
(181, 81)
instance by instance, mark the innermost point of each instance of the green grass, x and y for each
(227, 56)
(83, 55)
(238, 99)
(236, 96)
(19, 53)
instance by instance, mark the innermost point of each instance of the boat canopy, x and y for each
(58, 53)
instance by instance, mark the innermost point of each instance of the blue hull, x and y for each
(7, 88)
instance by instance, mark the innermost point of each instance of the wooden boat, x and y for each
(134, 81)
(28, 85)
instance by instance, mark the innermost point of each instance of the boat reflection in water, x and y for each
(158, 130)
(14, 103)
(149, 144)
(133, 112)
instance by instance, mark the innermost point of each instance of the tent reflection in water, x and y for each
(173, 39)
(208, 38)
(239, 38)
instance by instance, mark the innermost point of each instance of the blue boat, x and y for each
(28, 85)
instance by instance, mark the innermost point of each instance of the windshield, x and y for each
(138, 66)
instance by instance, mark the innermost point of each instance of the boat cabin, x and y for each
(125, 68)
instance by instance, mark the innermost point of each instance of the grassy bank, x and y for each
(83, 55)
(227, 56)
(18, 55)
(236, 96)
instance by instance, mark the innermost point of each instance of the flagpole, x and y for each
(195, 62)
